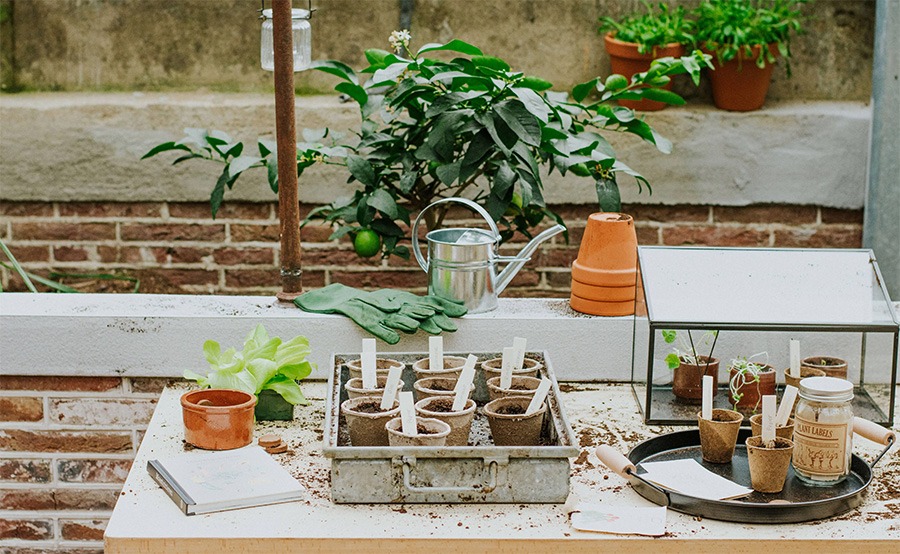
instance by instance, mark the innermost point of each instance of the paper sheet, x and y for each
(690, 478)
(620, 520)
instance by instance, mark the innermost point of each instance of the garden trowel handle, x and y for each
(616, 461)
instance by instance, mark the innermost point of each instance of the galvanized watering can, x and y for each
(462, 263)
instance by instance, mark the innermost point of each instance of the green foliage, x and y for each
(686, 347)
(656, 27)
(729, 27)
(433, 128)
(746, 372)
(263, 363)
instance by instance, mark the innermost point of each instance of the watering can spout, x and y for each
(516, 263)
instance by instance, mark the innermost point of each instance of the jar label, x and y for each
(820, 449)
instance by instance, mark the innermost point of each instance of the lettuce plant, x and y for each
(263, 363)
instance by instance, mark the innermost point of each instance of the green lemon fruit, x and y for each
(616, 82)
(367, 243)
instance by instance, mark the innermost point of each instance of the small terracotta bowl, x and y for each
(218, 419)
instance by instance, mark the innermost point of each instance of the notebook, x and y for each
(202, 482)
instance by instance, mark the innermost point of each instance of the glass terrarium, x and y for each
(742, 307)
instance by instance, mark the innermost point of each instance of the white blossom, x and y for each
(399, 39)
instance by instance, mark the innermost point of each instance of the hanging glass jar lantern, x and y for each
(302, 32)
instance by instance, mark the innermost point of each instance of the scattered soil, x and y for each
(510, 410)
(369, 408)
(443, 405)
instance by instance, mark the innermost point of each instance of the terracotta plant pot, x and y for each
(366, 422)
(521, 386)
(382, 366)
(431, 432)
(218, 419)
(271, 406)
(739, 85)
(752, 393)
(833, 367)
(460, 422)
(355, 387)
(607, 259)
(509, 424)
(626, 60)
(530, 368)
(805, 372)
(437, 386)
(785, 431)
(718, 436)
(769, 466)
(687, 380)
(452, 368)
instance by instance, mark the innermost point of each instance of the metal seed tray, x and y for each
(479, 473)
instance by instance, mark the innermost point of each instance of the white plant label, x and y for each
(787, 404)
(540, 395)
(408, 414)
(795, 358)
(435, 352)
(367, 359)
(519, 344)
(506, 367)
(464, 384)
(390, 388)
(768, 418)
(707, 406)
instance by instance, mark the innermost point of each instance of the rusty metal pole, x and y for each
(286, 137)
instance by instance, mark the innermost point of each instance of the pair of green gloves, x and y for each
(383, 312)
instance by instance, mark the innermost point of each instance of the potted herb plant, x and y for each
(637, 39)
(749, 381)
(265, 367)
(745, 37)
(464, 124)
(688, 366)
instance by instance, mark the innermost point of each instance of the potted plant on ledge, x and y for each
(639, 38)
(265, 367)
(745, 37)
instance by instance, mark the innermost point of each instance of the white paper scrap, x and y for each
(367, 361)
(519, 344)
(435, 352)
(390, 388)
(506, 367)
(620, 520)
(692, 479)
(795, 358)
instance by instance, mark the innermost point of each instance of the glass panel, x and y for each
(765, 286)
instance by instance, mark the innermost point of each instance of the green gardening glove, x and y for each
(390, 300)
(340, 299)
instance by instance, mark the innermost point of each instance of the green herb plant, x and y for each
(461, 123)
(685, 347)
(746, 373)
(730, 27)
(264, 363)
(655, 28)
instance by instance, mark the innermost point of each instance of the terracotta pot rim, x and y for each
(469, 408)
(731, 413)
(398, 422)
(346, 409)
(767, 369)
(612, 217)
(805, 362)
(188, 404)
(515, 400)
(704, 361)
(622, 49)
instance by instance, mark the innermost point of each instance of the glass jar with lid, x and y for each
(823, 431)
(302, 32)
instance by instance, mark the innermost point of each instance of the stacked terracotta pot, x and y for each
(603, 275)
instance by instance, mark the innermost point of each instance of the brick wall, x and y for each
(66, 445)
(178, 248)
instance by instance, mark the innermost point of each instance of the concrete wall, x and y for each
(98, 45)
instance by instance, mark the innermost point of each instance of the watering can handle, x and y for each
(423, 263)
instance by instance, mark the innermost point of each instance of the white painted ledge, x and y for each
(162, 335)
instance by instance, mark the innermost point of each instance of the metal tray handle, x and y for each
(488, 485)
(875, 433)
